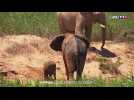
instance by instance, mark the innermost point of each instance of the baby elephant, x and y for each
(74, 49)
(49, 70)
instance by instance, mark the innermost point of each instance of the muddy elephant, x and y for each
(74, 49)
(81, 23)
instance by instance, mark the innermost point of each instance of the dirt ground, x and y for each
(22, 57)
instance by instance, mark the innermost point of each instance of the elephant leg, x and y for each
(66, 68)
(69, 65)
(71, 76)
(102, 21)
(71, 71)
(79, 73)
(80, 70)
(67, 73)
(89, 33)
(61, 25)
(81, 66)
(54, 76)
(103, 37)
(45, 76)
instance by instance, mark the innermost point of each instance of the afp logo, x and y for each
(119, 17)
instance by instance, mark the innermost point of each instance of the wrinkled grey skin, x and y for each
(74, 49)
(49, 70)
(81, 23)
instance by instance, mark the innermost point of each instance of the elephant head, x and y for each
(74, 49)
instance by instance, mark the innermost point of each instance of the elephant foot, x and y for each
(70, 78)
(102, 47)
(78, 78)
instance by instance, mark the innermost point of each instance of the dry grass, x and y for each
(20, 52)
(26, 54)
(20, 49)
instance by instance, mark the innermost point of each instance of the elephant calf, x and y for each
(49, 70)
(74, 49)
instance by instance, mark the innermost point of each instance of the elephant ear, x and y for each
(56, 43)
(83, 38)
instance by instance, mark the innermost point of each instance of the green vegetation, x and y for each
(45, 23)
(94, 82)
(107, 63)
(108, 66)
(115, 27)
(38, 23)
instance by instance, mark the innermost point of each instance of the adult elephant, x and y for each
(81, 23)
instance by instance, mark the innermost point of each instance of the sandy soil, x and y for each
(22, 57)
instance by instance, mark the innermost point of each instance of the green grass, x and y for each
(45, 23)
(107, 63)
(94, 82)
(115, 27)
(39, 23)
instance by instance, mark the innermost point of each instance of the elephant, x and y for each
(81, 23)
(49, 70)
(74, 50)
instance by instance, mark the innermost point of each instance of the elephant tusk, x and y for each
(103, 26)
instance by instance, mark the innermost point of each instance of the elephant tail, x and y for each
(76, 62)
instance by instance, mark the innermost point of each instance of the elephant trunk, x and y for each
(103, 29)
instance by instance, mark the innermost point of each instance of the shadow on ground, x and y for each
(103, 52)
